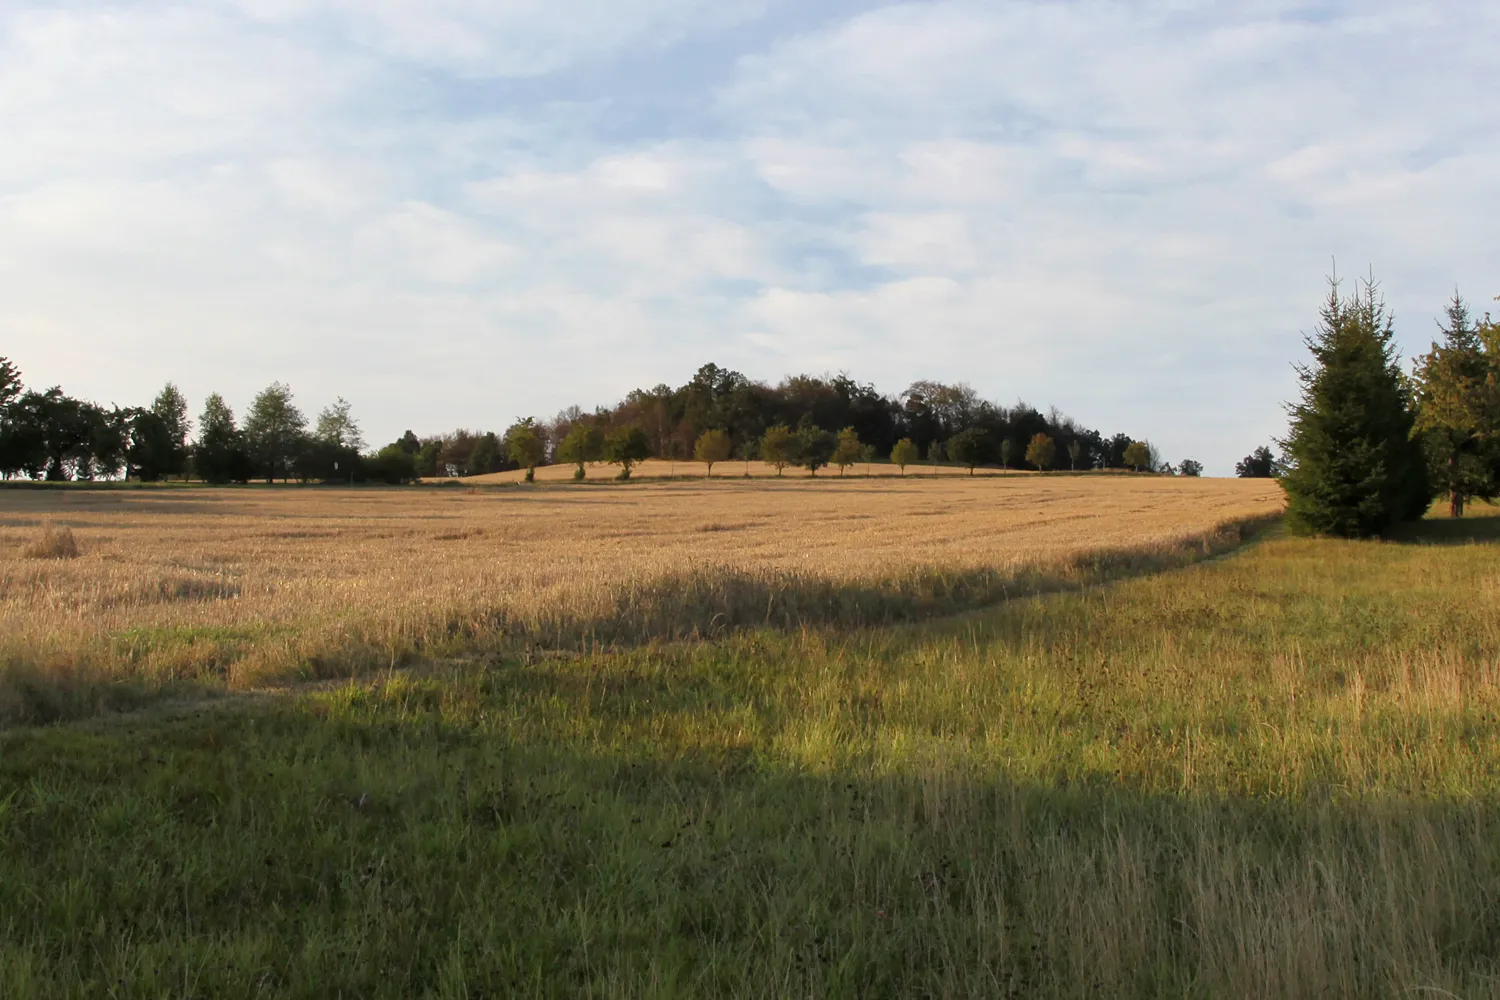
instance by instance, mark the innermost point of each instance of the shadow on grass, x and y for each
(390, 845)
(1481, 526)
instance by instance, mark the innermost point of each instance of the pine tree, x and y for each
(1458, 412)
(1355, 469)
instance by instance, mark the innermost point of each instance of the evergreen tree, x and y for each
(1458, 412)
(1355, 469)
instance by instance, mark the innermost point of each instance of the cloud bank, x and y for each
(453, 213)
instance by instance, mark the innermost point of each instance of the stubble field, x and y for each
(253, 586)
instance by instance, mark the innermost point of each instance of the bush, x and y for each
(52, 543)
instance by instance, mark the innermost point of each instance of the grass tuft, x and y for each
(52, 543)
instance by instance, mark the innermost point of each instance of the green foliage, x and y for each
(778, 446)
(1190, 468)
(337, 426)
(487, 455)
(904, 454)
(275, 431)
(848, 449)
(1356, 470)
(583, 443)
(814, 447)
(1007, 449)
(393, 464)
(427, 457)
(712, 446)
(1138, 455)
(1458, 411)
(171, 408)
(151, 452)
(220, 455)
(971, 447)
(1259, 464)
(525, 446)
(625, 446)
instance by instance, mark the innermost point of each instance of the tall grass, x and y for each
(1271, 774)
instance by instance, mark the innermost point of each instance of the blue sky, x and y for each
(456, 212)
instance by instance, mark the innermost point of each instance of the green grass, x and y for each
(1269, 774)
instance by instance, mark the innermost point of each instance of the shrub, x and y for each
(52, 543)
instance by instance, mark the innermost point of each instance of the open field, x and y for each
(246, 587)
(1272, 774)
(657, 468)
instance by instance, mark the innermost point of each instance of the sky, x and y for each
(458, 212)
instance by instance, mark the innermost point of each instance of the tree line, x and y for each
(717, 416)
(1371, 445)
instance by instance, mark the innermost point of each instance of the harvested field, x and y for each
(249, 586)
(660, 468)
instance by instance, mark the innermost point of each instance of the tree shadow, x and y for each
(397, 847)
(1480, 526)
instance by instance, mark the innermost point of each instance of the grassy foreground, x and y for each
(1271, 774)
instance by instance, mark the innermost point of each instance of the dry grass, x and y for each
(657, 468)
(251, 586)
(51, 543)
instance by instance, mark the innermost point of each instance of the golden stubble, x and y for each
(389, 569)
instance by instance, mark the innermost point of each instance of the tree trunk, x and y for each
(1455, 504)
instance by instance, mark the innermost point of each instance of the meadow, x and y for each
(248, 587)
(1268, 770)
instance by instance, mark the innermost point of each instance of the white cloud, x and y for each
(453, 212)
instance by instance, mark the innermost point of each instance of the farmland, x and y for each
(1270, 773)
(249, 587)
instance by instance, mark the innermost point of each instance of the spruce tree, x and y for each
(1354, 468)
(1458, 412)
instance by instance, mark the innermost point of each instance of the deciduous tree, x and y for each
(848, 449)
(583, 443)
(815, 447)
(971, 447)
(1259, 464)
(171, 408)
(712, 446)
(1138, 455)
(525, 446)
(1041, 451)
(904, 454)
(626, 446)
(778, 446)
(274, 431)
